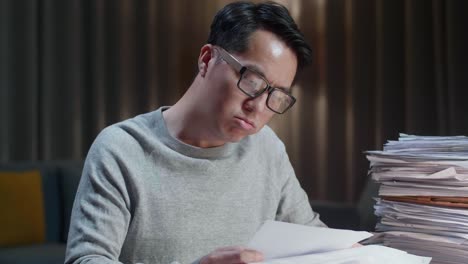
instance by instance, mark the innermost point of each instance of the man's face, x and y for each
(235, 115)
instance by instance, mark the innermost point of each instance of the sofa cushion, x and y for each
(366, 205)
(70, 174)
(337, 215)
(21, 203)
(50, 189)
(49, 253)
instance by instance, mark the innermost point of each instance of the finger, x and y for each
(244, 256)
(250, 255)
(224, 255)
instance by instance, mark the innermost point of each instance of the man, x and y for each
(179, 184)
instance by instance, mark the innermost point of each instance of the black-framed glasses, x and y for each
(254, 84)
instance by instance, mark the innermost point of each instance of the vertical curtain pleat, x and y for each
(128, 53)
(104, 62)
(349, 146)
(4, 109)
(19, 78)
(363, 50)
(440, 63)
(390, 70)
(163, 52)
(56, 93)
(421, 93)
(457, 65)
(70, 68)
(76, 56)
(312, 107)
(335, 94)
(152, 45)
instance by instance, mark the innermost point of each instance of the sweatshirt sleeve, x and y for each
(101, 215)
(294, 206)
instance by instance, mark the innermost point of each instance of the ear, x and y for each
(206, 54)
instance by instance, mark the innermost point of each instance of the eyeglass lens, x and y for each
(252, 84)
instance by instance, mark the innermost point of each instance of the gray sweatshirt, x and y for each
(145, 197)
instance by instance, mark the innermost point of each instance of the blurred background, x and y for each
(70, 68)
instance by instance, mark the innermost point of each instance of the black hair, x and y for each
(234, 23)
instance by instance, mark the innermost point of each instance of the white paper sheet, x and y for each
(278, 239)
(372, 254)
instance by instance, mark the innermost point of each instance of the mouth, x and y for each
(245, 123)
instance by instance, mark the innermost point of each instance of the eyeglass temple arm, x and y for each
(231, 60)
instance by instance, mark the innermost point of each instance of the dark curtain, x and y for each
(70, 68)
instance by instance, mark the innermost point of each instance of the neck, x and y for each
(187, 122)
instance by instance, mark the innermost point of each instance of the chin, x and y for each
(235, 140)
(237, 136)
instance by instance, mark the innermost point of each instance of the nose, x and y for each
(256, 104)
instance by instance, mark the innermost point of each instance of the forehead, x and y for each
(271, 57)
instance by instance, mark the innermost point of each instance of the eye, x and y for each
(252, 82)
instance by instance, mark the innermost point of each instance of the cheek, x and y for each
(264, 119)
(231, 99)
(268, 116)
(220, 94)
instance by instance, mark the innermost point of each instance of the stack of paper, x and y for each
(423, 204)
(285, 243)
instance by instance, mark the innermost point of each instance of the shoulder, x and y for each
(267, 140)
(269, 153)
(267, 147)
(128, 136)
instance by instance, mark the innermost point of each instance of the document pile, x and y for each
(423, 204)
(285, 243)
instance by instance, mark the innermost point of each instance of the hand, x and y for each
(356, 245)
(232, 255)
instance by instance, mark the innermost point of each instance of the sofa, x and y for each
(58, 183)
(358, 216)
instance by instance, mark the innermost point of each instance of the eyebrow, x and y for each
(257, 70)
